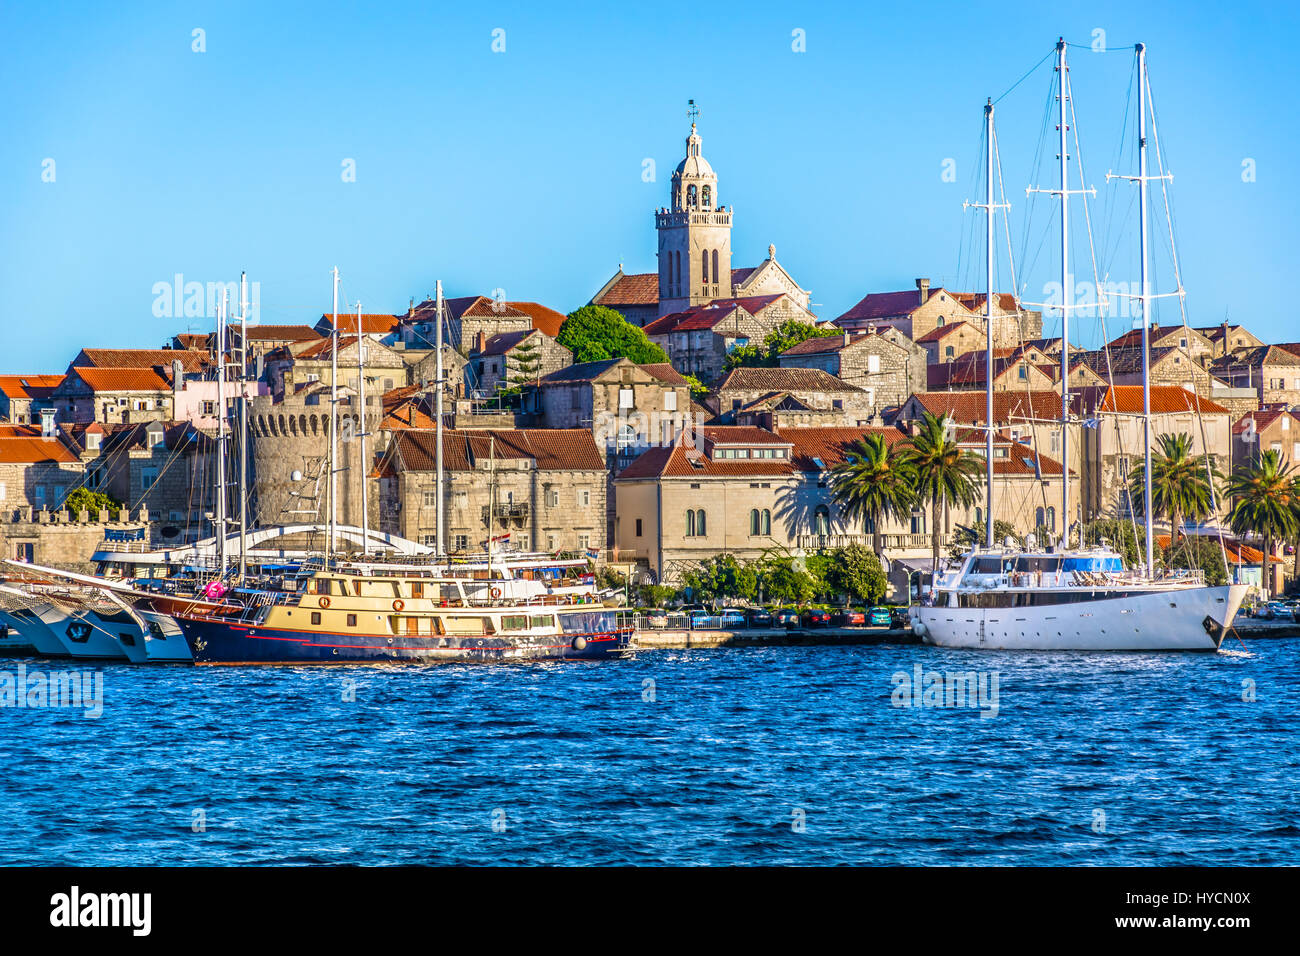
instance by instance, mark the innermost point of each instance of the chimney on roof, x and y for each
(47, 423)
(480, 340)
(924, 286)
(846, 337)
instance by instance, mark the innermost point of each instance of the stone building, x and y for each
(814, 388)
(951, 341)
(23, 396)
(62, 540)
(162, 361)
(527, 489)
(1269, 429)
(747, 492)
(289, 370)
(918, 313)
(1273, 371)
(694, 253)
(37, 469)
(887, 365)
(1169, 365)
(1012, 370)
(699, 339)
(499, 361)
(379, 326)
(1194, 343)
(169, 468)
(1228, 339)
(1114, 446)
(119, 395)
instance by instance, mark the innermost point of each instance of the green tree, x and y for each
(786, 335)
(656, 595)
(944, 473)
(785, 580)
(594, 333)
(856, 572)
(697, 387)
(1180, 483)
(524, 364)
(869, 486)
(92, 501)
(722, 576)
(1264, 503)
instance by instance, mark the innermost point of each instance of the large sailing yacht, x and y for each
(1067, 599)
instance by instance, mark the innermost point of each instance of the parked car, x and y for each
(759, 617)
(732, 618)
(657, 617)
(814, 617)
(899, 619)
(703, 619)
(1276, 611)
(849, 617)
(880, 617)
(787, 617)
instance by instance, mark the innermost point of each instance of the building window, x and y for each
(695, 523)
(584, 499)
(1039, 518)
(670, 401)
(704, 265)
(760, 522)
(552, 499)
(584, 541)
(1051, 519)
(625, 398)
(461, 542)
(873, 363)
(948, 351)
(430, 499)
(822, 520)
(717, 276)
(638, 527)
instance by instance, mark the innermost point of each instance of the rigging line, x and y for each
(1026, 75)
(1087, 216)
(1182, 307)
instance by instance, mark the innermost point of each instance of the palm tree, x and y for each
(943, 473)
(1264, 502)
(1180, 483)
(869, 487)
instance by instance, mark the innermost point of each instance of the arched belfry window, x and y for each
(717, 276)
(690, 195)
(707, 196)
(704, 265)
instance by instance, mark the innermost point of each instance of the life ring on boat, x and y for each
(496, 592)
(324, 602)
(579, 643)
(398, 604)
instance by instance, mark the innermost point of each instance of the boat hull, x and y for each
(1189, 619)
(225, 642)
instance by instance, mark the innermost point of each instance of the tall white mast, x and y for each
(221, 434)
(988, 325)
(334, 417)
(361, 400)
(243, 426)
(1066, 297)
(438, 549)
(1146, 315)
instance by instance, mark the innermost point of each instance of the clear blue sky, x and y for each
(522, 170)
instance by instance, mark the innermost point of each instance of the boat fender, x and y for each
(496, 592)
(399, 604)
(579, 643)
(324, 602)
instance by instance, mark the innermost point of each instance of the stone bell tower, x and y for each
(694, 235)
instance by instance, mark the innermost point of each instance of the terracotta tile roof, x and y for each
(288, 333)
(1008, 406)
(503, 343)
(26, 450)
(191, 360)
(582, 372)
(1006, 301)
(825, 344)
(406, 414)
(1165, 399)
(886, 305)
(741, 435)
(324, 348)
(194, 340)
(554, 449)
(1019, 459)
(675, 462)
(831, 445)
(1132, 339)
(641, 288)
(665, 373)
(764, 379)
(1262, 419)
(175, 435)
(122, 379)
(1238, 553)
(544, 319)
(372, 323)
(29, 386)
(709, 314)
(477, 307)
(741, 276)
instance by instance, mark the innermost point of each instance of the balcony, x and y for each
(507, 512)
(890, 542)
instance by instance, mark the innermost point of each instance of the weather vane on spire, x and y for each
(692, 111)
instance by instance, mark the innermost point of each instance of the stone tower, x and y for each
(694, 236)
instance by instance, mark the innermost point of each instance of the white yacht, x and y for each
(1064, 599)
(1074, 600)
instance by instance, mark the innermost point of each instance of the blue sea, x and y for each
(790, 755)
